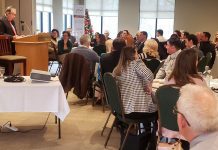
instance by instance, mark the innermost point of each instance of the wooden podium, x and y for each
(35, 48)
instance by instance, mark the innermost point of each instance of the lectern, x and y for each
(35, 48)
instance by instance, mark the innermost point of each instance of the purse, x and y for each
(170, 146)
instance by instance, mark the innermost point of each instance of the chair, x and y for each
(167, 97)
(7, 59)
(113, 97)
(76, 74)
(54, 58)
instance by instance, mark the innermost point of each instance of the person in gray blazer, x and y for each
(84, 50)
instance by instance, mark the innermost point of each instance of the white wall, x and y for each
(25, 13)
(128, 17)
(196, 15)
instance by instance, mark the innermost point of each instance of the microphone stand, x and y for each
(28, 28)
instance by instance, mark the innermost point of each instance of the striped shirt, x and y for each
(167, 68)
(132, 84)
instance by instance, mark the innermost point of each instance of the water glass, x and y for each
(2, 72)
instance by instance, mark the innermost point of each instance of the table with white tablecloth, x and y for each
(31, 96)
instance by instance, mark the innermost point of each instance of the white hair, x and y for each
(85, 39)
(200, 107)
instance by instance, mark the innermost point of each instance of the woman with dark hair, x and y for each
(134, 80)
(53, 44)
(100, 47)
(64, 46)
(119, 34)
(185, 70)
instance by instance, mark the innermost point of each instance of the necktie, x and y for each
(13, 29)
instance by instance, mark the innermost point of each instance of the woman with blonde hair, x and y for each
(150, 50)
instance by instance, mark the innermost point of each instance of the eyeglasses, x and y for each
(175, 111)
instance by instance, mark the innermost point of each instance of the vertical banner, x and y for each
(79, 11)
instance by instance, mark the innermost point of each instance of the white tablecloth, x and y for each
(34, 97)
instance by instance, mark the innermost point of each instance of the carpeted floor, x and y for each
(80, 130)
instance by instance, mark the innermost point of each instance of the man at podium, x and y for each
(7, 25)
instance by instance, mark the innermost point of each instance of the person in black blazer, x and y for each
(207, 47)
(7, 25)
(100, 47)
(110, 60)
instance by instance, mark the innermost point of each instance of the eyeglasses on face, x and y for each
(175, 111)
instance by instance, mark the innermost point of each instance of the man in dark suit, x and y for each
(142, 38)
(7, 25)
(110, 60)
(207, 47)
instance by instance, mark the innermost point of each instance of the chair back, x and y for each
(167, 97)
(76, 74)
(5, 45)
(152, 64)
(201, 64)
(113, 94)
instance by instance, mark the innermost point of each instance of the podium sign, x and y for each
(79, 11)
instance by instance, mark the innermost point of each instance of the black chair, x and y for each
(113, 97)
(53, 58)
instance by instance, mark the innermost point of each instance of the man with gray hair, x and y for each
(197, 117)
(84, 50)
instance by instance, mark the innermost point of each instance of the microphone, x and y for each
(28, 28)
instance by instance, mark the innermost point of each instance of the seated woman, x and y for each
(100, 47)
(134, 80)
(53, 44)
(64, 46)
(150, 55)
(150, 50)
(184, 72)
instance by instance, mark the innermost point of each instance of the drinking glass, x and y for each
(2, 72)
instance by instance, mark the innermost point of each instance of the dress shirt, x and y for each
(205, 141)
(168, 66)
(161, 39)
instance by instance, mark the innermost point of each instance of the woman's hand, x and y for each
(148, 88)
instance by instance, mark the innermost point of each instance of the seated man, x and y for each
(84, 50)
(110, 60)
(197, 117)
(173, 49)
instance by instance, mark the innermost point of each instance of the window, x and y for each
(68, 14)
(44, 16)
(159, 15)
(103, 15)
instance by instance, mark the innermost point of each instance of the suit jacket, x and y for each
(109, 61)
(207, 47)
(140, 47)
(75, 74)
(5, 27)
